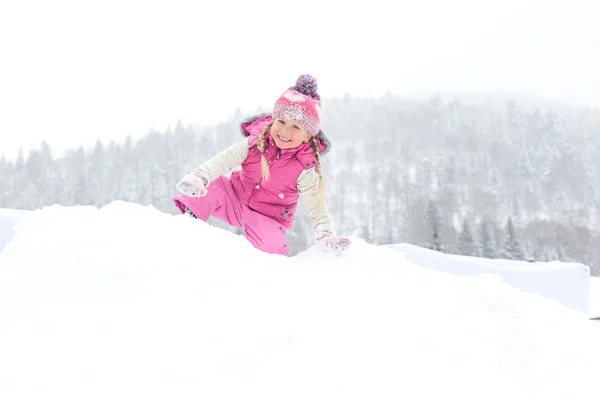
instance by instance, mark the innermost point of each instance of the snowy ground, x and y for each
(567, 283)
(129, 303)
(8, 218)
(595, 296)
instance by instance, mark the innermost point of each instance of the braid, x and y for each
(317, 153)
(260, 144)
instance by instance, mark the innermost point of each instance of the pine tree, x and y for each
(559, 252)
(96, 175)
(466, 245)
(77, 184)
(51, 180)
(5, 173)
(487, 247)
(435, 223)
(512, 249)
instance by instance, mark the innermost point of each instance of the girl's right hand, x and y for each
(328, 241)
(192, 185)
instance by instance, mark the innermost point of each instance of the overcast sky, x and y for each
(75, 71)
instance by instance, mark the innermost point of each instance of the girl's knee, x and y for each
(267, 236)
(280, 250)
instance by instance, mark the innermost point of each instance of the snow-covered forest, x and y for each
(497, 179)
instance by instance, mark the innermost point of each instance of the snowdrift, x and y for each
(8, 219)
(595, 297)
(567, 283)
(128, 302)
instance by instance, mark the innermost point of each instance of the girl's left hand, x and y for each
(326, 240)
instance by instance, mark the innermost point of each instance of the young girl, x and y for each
(280, 163)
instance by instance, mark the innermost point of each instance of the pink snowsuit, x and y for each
(264, 209)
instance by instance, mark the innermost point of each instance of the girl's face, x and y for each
(288, 134)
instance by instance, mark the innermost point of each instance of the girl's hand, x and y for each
(329, 241)
(192, 185)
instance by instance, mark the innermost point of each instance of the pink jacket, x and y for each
(277, 197)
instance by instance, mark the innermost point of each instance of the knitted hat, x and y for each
(301, 104)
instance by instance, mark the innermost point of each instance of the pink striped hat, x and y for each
(301, 103)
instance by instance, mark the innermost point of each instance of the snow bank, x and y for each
(128, 302)
(8, 218)
(567, 283)
(595, 296)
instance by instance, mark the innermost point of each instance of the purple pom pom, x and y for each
(307, 85)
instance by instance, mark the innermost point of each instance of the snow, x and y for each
(595, 296)
(128, 302)
(567, 283)
(8, 218)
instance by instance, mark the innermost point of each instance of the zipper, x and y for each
(254, 191)
(260, 180)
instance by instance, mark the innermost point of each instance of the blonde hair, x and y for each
(260, 144)
(317, 153)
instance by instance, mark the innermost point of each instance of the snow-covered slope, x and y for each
(595, 296)
(128, 302)
(8, 218)
(567, 283)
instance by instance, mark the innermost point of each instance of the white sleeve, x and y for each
(224, 161)
(316, 210)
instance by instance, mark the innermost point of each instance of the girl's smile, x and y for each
(288, 134)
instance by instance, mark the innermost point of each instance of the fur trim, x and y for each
(325, 139)
(321, 135)
(249, 121)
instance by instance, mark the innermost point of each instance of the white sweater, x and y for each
(308, 183)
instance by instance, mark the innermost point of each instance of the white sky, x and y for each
(74, 71)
